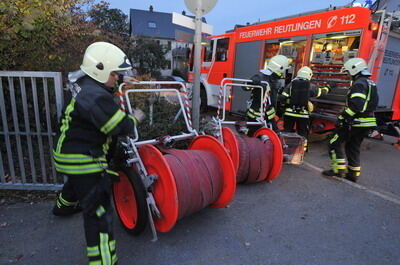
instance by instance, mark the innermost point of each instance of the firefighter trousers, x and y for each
(97, 222)
(352, 139)
(302, 127)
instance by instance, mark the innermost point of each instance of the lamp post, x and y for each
(198, 8)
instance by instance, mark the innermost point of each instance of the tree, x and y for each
(148, 56)
(111, 20)
(39, 35)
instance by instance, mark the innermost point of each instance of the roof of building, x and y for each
(150, 23)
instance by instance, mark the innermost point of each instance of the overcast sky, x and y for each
(227, 13)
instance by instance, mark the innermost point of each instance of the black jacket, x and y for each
(88, 122)
(273, 81)
(362, 100)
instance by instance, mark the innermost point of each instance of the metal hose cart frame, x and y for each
(228, 137)
(156, 181)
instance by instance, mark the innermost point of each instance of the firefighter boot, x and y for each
(353, 173)
(331, 173)
(65, 208)
(351, 177)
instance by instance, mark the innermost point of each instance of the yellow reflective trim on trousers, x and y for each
(113, 122)
(93, 251)
(333, 162)
(65, 123)
(96, 262)
(114, 259)
(354, 168)
(112, 245)
(76, 158)
(285, 94)
(349, 111)
(105, 249)
(358, 95)
(65, 202)
(100, 211)
(334, 138)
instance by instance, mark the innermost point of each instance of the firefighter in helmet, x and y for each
(89, 121)
(355, 123)
(295, 97)
(276, 69)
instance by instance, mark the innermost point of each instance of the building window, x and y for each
(152, 24)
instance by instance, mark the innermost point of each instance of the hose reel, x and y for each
(257, 158)
(174, 183)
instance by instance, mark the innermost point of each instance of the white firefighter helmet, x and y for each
(102, 58)
(305, 72)
(278, 64)
(355, 66)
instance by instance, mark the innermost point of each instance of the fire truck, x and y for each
(322, 40)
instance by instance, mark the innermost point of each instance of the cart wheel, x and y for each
(130, 201)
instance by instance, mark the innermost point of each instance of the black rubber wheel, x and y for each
(129, 197)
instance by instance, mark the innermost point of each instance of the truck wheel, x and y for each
(130, 201)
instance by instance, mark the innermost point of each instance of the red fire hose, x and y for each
(255, 159)
(189, 180)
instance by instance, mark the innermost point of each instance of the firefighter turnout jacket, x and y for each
(254, 111)
(87, 125)
(362, 100)
(296, 96)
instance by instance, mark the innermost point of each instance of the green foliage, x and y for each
(162, 120)
(111, 20)
(44, 35)
(148, 55)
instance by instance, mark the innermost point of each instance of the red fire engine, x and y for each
(323, 40)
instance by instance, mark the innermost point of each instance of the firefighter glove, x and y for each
(256, 80)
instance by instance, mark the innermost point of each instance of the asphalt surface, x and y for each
(300, 218)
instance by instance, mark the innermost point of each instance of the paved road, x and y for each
(300, 218)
